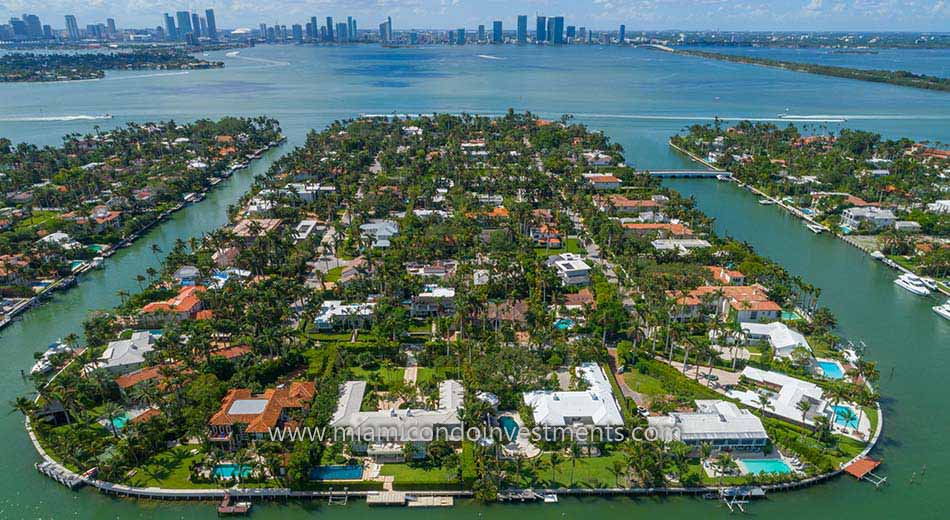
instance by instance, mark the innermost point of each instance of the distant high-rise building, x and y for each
(497, 35)
(204, 26)
(623, 34)
(20, 32)
(460, 37)
(72, 28)
(549, 31)
(47, 31)
(195, 24)
(341, 32)
(184, 24)
(541, 29)
(481, 32)
(212, 24)
(298, 33)
(350, 29)
(413, 38)
(110, 23)
(571, 33)
(386, 30)
(330, 28)
(557, 37)
(34, 29)
(522, 28)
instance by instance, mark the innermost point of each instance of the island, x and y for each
(888, 197)
(64, 209)
(497, 308)
(894, 77)
(60, 66)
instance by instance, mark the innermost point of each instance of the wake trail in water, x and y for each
(267, 63)
(489, 57)
(79, 117)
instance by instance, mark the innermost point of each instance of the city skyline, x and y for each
(762, 15)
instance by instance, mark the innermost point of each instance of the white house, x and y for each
(594, 407)
(334, 313)
(382, 434)
(876, 217)
(570, 268)
(60, 239)
(126, 355)
(782, 339)
(433, 301)
(941, 206)
(682, 245)
(721, 424)
(783, 394)
(381, 231)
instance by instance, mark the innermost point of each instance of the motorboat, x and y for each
(766, 202)
(929, 282)
(913, 283)
(943, 310)
(816, 228)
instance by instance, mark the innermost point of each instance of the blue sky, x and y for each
(872, 15)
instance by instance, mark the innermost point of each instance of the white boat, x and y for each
(912, 283)
(943, 310)
(549, 498)
(929, 282)
(722, 177)
(877, 255)
(96, 262)
(816, 228)
(45, 364)
(766, 202)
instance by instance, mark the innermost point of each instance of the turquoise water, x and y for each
(831, 370)
(790, 316)
(231, 471)
(762, 466)
(841, 412)
(119, 422)
(638, 98)
(336, 473)
(564, 324)
(510, 426)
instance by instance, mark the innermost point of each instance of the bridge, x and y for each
(690, 174)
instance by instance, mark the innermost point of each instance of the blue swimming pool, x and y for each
(846, 230)
(510, 426)
(336, 473)
(564, 324)
(764, 466)
(831, 369)
(231, 471)
(120, 421)
(841, 416)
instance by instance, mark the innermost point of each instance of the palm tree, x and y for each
(554, 461)
(764, 402)
(574, 451)
(803, 406)
(112, 411)
(724, 464)
(618, 469)
(24, 405)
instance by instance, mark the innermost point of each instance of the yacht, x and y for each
(766, 202)
(912, 283)
(943, 310)
(816, 228)
(929, 282)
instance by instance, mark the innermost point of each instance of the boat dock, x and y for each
(60, 474)
(863, 469)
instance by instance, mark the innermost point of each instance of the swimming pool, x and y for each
(336, 473)
(564, 324)
(231, 471)
(846, 230)
(831, 369)
(841, 413)
(120, 421)
(510, 426)
(790, 316)
(764, 466)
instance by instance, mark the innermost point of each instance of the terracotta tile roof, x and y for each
(594, 179)
(723, 275)
(672, 229)
(146, 416)
(185, 302)
(232, 352)
(622, 202)
(580, 298)
(243, 228)
(296, 395)
(206, 314)
(131, 379)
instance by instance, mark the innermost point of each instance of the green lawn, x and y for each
(590, 472)
(643, 383)
(388, 376)
(169, 469)
(37, 219)
(333, 275)
(571, 245)
(419, 474)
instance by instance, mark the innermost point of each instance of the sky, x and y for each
(737, 15)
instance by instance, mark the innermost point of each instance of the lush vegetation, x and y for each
(18, 67)
(894, 77)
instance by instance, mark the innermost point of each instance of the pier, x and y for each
(688, 174)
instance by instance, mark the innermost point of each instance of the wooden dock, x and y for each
(431, 501)
(386, 498)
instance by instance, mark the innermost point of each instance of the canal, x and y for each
(645, 97)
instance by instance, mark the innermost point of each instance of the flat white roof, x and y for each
(713, 420)
(782, 338)
(784, 401)
(248, 407)
(596, 405)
